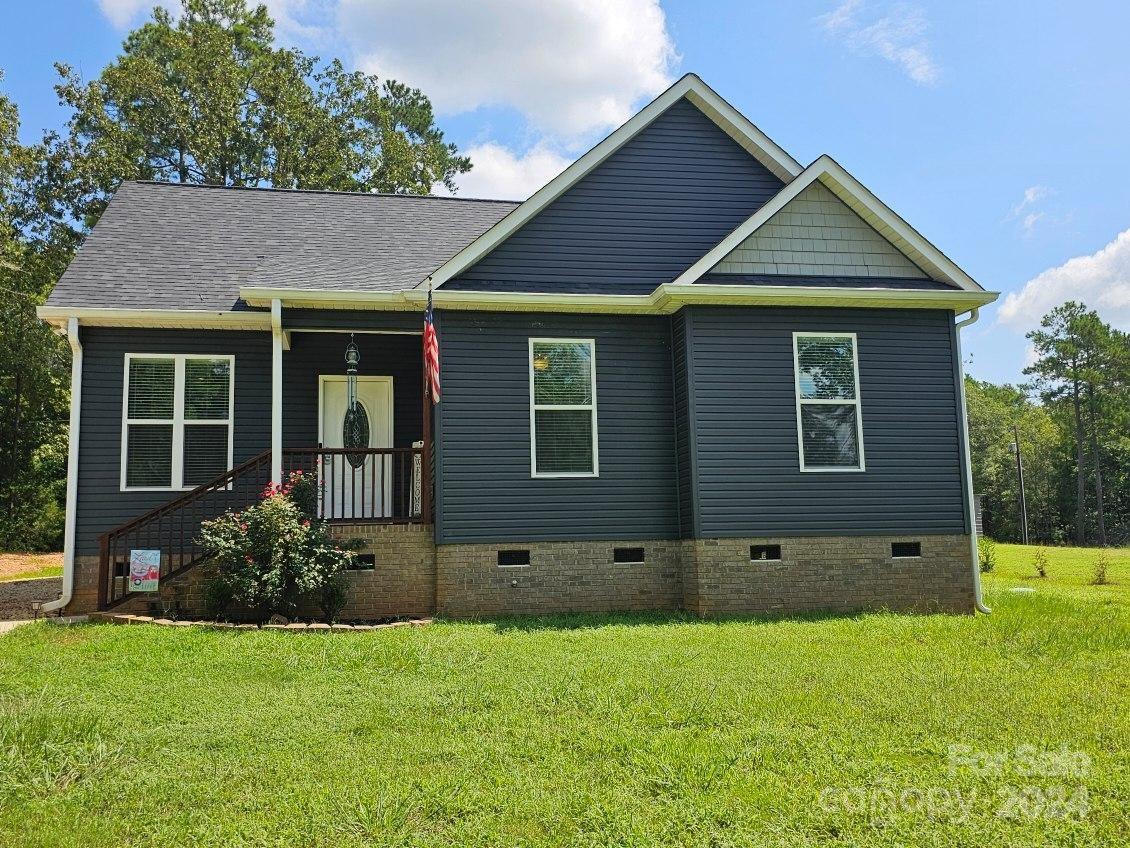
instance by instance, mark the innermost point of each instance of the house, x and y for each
(688, 372)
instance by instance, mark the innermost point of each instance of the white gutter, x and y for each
(974, 553)
(664, 300)
(276, 390)
(72, 471)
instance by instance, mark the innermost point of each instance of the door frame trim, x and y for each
(341, 378)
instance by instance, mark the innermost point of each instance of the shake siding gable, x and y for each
(638, 219)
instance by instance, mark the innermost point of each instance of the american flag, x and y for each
(431, 352)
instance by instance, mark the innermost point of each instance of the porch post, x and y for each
(276, 390)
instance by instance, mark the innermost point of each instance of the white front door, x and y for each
(356, 485)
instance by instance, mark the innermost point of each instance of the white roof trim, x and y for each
(194, 319)
(860, 200)
(729, 119)
(665, 300)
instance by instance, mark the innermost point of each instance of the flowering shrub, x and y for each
(275, 554)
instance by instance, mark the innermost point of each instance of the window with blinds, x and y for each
(177, 430)
(829, 420)
(563, 407)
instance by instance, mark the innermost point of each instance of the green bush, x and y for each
(274, 555)
(1099, 575)
(987, 553)
(1041, 563)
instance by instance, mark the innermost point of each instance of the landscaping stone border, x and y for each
(295, 627)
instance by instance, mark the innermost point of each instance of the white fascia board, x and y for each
(665, 300)
(672, 296)
(732, 122)
(193, 319)
(262, 296)
(860, 200)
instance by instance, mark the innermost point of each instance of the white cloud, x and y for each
(122, 13)
(570, 67)
(1025, 210)
(1101, 280)
(499, 173)
(898, 36)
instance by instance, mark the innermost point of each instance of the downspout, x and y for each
(974, 553)
(72, 471)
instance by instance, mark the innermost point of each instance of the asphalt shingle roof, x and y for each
(171, 246)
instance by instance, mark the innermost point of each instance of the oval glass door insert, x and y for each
(355, 433)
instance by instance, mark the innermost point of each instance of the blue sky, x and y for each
(997, 129)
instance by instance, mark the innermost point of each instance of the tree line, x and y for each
(208, 97)
(1071, 421)
(205, 96)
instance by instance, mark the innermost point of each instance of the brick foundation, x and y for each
(561, 577)
(412, 576)
(708, 577)
(834, 573)
(401, 583)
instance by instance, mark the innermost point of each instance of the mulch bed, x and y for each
(16, 596)
(293, 627)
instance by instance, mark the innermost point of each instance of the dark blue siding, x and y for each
(639, 219)
(749, 482)
(485, 491)
(101, 504)
(313, 354)
(684, 433)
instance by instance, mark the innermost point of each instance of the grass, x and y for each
(30, 566)
(595, 731)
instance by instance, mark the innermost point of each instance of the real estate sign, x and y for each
(144, 570)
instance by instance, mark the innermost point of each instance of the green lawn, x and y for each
(638, 730)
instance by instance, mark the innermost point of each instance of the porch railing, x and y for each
(372, 485)
(173, 527)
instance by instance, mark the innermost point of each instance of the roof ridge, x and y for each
(168, 184)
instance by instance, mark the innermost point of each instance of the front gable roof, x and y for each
(857, 197)
(771, 157)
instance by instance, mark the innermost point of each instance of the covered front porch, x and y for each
(346, 407)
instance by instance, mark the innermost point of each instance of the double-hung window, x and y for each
(829, 420)
(176, 420)
(563, 408)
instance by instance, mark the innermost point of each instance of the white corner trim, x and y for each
(591, 407)
(708, 101)
(72, 326)
(860, 200)
(970, 502)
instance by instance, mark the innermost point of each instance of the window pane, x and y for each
(149, 455)
(151, 388)
(562, 373)
(830, 435)
(827, 367)
(564, 441)
(205, 452)
(206, 388)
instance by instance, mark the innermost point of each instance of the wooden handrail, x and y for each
(220, 481)
(391, 498)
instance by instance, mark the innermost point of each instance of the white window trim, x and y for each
(558, 406)
(857, 402)
(177, 474)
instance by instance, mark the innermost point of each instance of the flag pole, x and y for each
(426, 454)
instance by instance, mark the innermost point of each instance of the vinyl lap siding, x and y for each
(748, 476)
(313, 354)
(639, 219)
(484, 489)
(680, 365)
(101, 503)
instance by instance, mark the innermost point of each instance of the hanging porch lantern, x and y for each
(352, 358)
